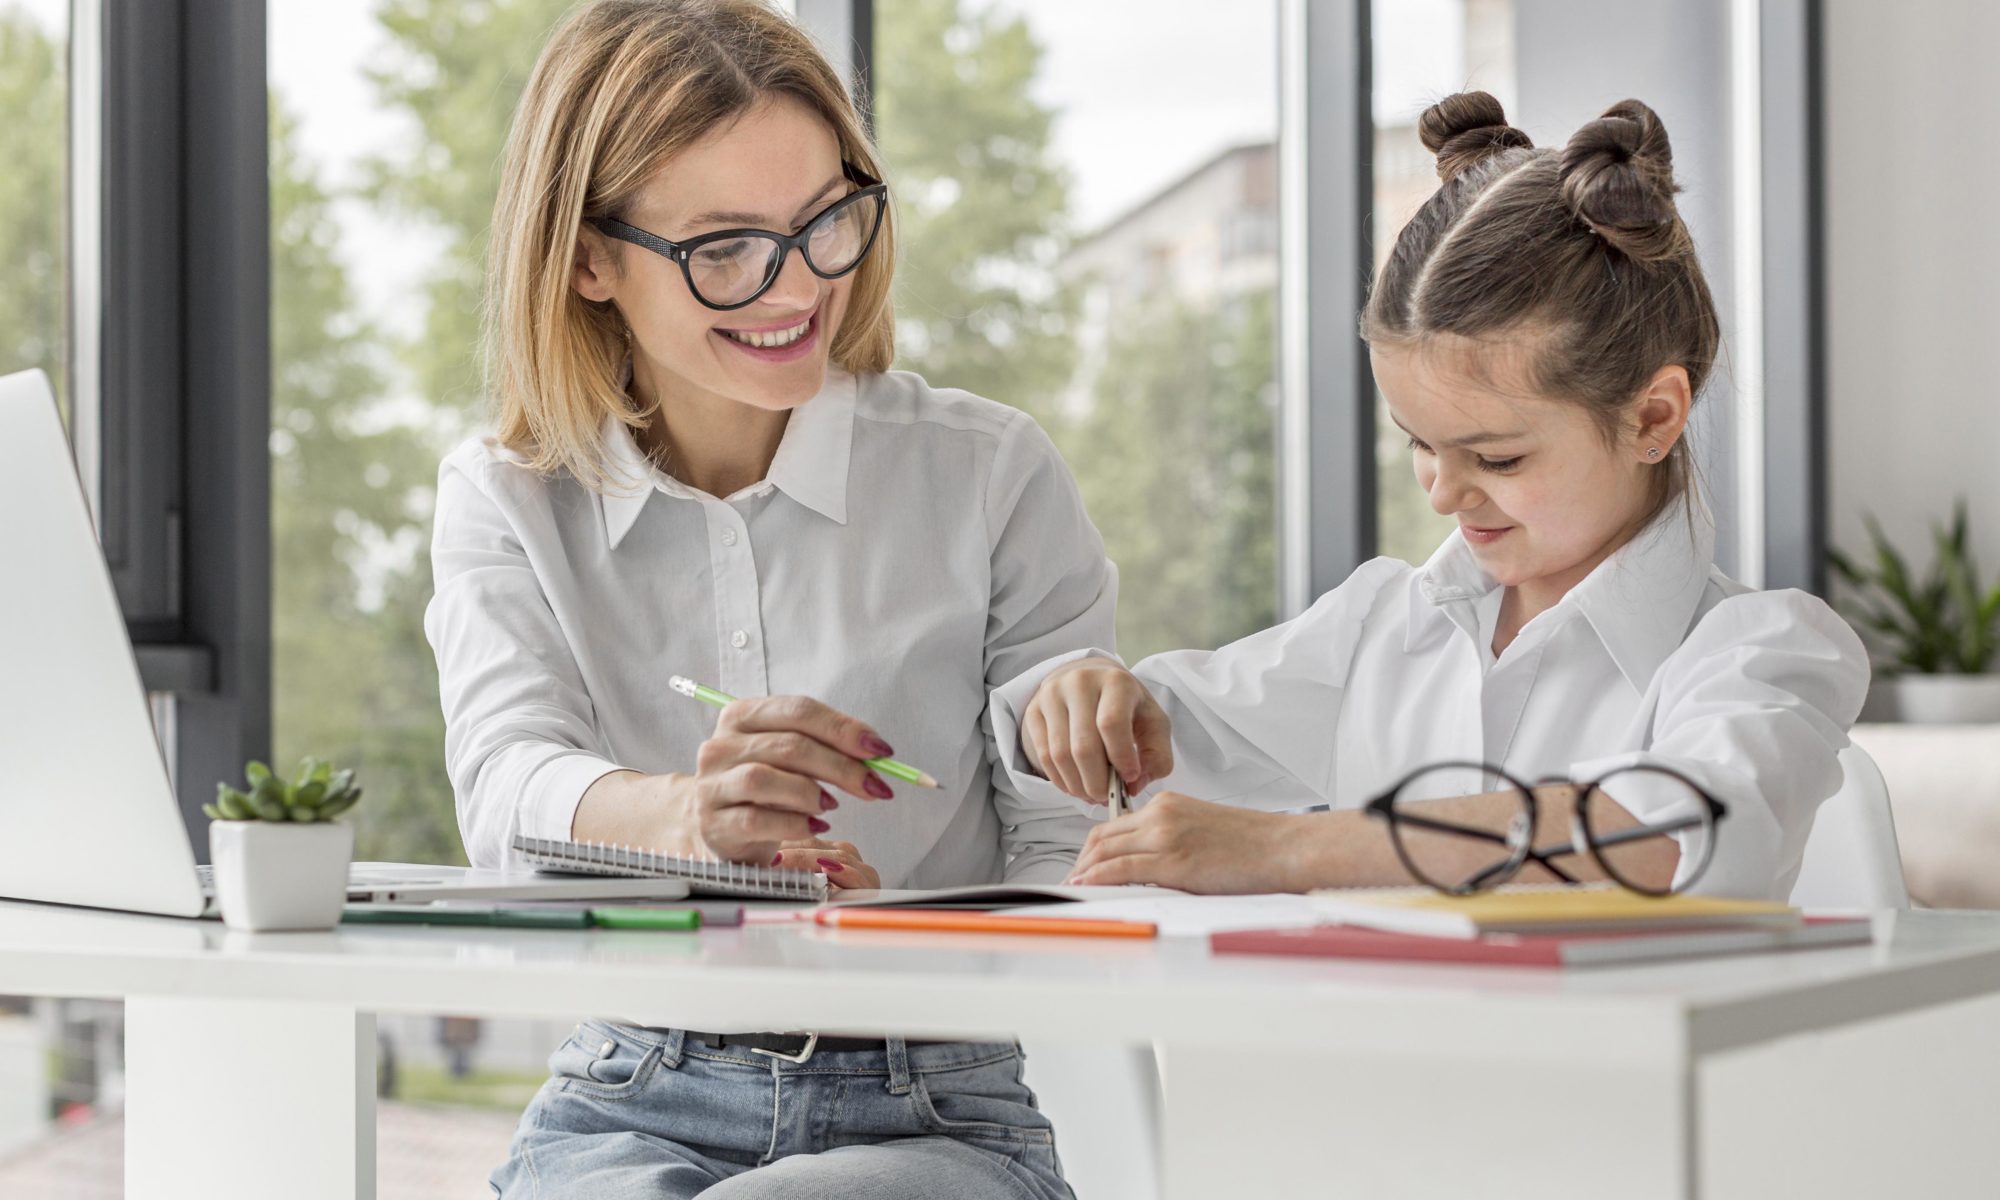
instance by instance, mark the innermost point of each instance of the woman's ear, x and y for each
(592, 270)
(1660, 415)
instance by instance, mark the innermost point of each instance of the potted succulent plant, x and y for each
(1935, 636)
(280, 856)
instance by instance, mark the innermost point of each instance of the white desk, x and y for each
(1856, 1072)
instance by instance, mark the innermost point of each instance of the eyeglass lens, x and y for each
(732, 271)
(1476, 846)
(1661, 852)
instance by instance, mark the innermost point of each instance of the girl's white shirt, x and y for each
(1655, 657)
(909, 549)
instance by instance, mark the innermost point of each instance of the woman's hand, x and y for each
(1179, 842)
(1090, 717)
(840, 860)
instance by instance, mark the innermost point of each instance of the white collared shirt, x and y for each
(1655, 657)
(909, 549)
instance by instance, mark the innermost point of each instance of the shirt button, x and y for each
(739, 639)
(729, 537)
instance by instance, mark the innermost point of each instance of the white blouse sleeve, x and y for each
(520, 742)
(1755, 706)
(1253, 723)
(1052, 591)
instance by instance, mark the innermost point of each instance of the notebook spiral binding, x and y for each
(703, 875)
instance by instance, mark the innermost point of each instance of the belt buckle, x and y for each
(812, 1040)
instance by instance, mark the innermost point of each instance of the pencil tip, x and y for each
(924, 779)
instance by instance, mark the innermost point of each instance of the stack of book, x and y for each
(1544, 927)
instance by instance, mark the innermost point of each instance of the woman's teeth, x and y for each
(771, 340)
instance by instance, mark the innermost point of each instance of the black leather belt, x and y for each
(792, 1047)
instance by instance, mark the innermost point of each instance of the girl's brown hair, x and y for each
(622, 87)
(1580, 253)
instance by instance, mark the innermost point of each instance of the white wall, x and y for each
(1912, 146)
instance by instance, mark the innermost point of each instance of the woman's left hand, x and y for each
(840, 860)
(1180, 842)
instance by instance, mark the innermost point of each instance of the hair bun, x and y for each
(1466, 129)
(1618, 176)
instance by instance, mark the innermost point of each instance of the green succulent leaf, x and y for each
(256, 773)
(214, 813)
(310, 795)
(271, 810)
(335, 807)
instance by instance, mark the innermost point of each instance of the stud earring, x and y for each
(1652, 452)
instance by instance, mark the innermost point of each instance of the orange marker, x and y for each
(947, 920)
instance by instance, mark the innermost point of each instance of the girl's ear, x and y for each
(591, 266)
(1660, 415)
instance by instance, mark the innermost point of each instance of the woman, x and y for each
(702, 467)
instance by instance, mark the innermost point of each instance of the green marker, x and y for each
(646, 918)
(888, 766)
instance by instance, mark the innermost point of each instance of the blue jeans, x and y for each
(639, 1114)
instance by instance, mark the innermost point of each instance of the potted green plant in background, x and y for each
(1934, 637)
(280, 855)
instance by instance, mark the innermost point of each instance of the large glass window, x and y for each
(33, 103)
(1089, 207)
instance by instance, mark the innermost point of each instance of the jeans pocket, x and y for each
(600, 1060)
(985, 1103)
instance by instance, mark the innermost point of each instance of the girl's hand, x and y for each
(1195, 846)
(840, 860)
(762, 777)
(1090, 717)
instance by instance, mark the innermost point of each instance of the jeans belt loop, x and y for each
(899, 1066)
(812, 1042)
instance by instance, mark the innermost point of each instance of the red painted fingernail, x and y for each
(817, 825)
(827, 803)
(780, 858)
(874, 786)
(831, 865)
(875, 746)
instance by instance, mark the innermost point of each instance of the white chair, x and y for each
(1104, 1101)
(1852, 860)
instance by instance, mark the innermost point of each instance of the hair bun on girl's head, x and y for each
(1466, 129)
(1618, 176)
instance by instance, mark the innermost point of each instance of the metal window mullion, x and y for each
(1794, 443)
(183, 410)
(1326, 451)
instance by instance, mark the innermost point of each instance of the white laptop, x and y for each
(87, 811)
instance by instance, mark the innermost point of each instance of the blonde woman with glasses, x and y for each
(703, 466)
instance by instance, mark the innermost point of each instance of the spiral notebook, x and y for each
(704, 876)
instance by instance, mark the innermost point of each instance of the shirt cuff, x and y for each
(1011, 701)
(554, 790)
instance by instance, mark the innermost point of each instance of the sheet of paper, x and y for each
(1191, 916)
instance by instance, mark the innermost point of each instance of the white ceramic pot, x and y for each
(1944, 699)
(278, 875)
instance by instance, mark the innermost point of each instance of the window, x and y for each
(1091, 239)
(34, 323)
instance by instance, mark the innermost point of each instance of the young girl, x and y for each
(702, 468)
(1540, 331)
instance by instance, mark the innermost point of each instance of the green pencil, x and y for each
(888, 766)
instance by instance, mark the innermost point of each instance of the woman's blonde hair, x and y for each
(621, 88)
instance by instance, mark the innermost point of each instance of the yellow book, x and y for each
(1541, 909)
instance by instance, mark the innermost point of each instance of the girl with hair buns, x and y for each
(1541, 332)
(703, 467)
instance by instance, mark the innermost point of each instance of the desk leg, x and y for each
(246, 1100)
(1313, 1124)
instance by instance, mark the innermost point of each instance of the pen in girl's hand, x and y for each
(887, 766)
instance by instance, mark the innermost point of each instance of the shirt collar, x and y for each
(810, 466)
(1639, 601)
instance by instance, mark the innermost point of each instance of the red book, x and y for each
(1542, 949)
